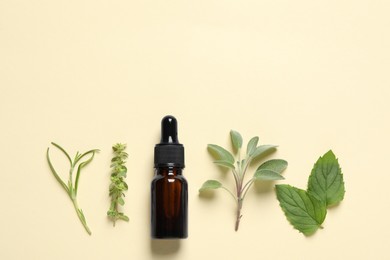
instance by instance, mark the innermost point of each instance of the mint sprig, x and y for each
(118, 185)
(73, 183)
(268, 171)
(306, 210)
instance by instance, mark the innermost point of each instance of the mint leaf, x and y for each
(326, 180)
(225, 164)
(302, 209)
(236, 139)
(221, 153)
(252, 145)
(210, 185)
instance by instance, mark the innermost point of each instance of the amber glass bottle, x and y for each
(169, 188)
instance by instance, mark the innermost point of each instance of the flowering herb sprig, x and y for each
(118, 185)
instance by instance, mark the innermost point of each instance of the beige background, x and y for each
(307, 75)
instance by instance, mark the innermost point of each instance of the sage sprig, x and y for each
(268, 171)
(118, 184)
(73, 183)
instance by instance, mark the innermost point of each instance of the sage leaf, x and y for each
(221, 153)
(275, 165)
(302, 209)
(236, 139)
(252, 144)
(210, 185)
(262, 149)
(225, 164)
(267, 175)
(271, 170)
(326, 179)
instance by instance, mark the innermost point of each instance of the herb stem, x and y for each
(239, 207)
(236, 178)
(81, 216)
(247, 162)
(246, 187)
(234, 197)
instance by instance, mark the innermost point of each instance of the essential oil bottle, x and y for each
(169, 188)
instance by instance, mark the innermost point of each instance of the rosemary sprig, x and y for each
(72, 187)
(118, 184)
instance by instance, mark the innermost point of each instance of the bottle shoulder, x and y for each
(169, 178)
(176, 177)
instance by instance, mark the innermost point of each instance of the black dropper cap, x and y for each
(169, 152)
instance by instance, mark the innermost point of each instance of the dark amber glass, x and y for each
(169, 203)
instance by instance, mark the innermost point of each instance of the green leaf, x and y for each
(267, 175)
(85, 154)
(252, 145)
(123, 217)
(326, 180)
(221, 153)
(82, 165)
(210, 185)
(302, 209)
(224, 164)
(63, 150)
(121, 201)
(236, 139)
(274, 165)
(55, 173)
(262, 149)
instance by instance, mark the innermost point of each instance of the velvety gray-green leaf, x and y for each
(236, 139)
(252, 144)
(262, 149)
(271, 170)
(267, 175)
(225, 164)
(210, 184)
(275, 165)
(326, 179)
(302, 209)
(221, 153)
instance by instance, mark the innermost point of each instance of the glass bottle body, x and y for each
(169, 203)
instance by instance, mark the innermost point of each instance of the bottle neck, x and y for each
(169, 171)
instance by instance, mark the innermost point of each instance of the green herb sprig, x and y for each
(267, 171)
(73, 184)
(306, 210)
(118, 184)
